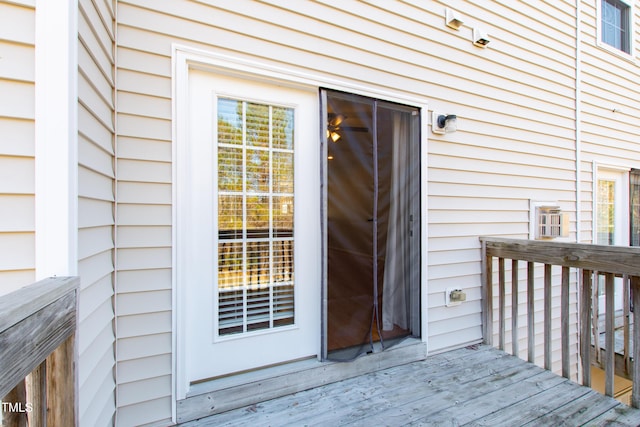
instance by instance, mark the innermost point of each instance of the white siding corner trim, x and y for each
(56, 139)
(185, 58)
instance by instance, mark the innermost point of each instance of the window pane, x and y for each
(283, 216)
(229, 217)
(282, 172)
(229, 264)
(258, 272)
(229, 121)
(283, 308)
(616, 24)
(283, 128)
(257, 217)
(229, 169)
(257, 125)
(634, 198)
(283, 261)
(230, 312)
(257, 171)
(605, 212)
(258, 309)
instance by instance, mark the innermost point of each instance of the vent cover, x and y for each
(551, 222)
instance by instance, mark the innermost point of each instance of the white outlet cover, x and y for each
(447, 297)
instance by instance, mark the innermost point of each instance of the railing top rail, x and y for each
(609, 259)
(22, 303)
(34, 322)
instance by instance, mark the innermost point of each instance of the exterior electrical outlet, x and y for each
(454, 296)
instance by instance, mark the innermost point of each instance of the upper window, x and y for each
(615, 24)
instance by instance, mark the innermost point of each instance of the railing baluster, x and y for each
(37, 392)
(585, 326)
(595, 324)
(514, 307)
(501, 302)
(609, 364)
(547, 316)
(16, 396)
(635, 374)
(625, 329)
(487, 295)
(60, 384)
(564, 319)
(531, 313)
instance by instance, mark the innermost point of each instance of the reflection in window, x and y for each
(255, 216)
(616, 24)
(634, 198)
(605, 212)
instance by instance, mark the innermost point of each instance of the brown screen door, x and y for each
(372, 236)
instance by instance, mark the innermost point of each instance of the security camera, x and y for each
(480, 38)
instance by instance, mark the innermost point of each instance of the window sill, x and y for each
(617, 52)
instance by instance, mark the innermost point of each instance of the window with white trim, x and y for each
(616, 24)
(255, 216)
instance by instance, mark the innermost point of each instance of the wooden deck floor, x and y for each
(477, 385)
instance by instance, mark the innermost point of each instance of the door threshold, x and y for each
(253, 375)
(235, 391)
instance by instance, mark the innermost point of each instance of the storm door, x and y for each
(612, 223)
(372, 224)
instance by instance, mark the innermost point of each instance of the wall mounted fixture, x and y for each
(480, 38)
(547, 221)
(454, 296)
(453, 19)
(443, 123)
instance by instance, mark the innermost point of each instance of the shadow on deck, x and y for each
(477, 385)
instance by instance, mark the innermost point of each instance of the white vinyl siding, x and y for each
(514, 101)
(609, 110)
(96, 177)
(17, 163)
(144, 234)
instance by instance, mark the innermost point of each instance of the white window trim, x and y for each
(598, 169)
(185, 58)
(533, 220)
(605, 46)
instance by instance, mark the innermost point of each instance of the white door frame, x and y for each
(185, 58)
(620, 175)
(622, 200)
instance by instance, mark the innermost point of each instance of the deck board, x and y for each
(577, 412)
(477, 385)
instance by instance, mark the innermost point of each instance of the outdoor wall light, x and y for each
(480, 38)
(453, 19)
(443, 123)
